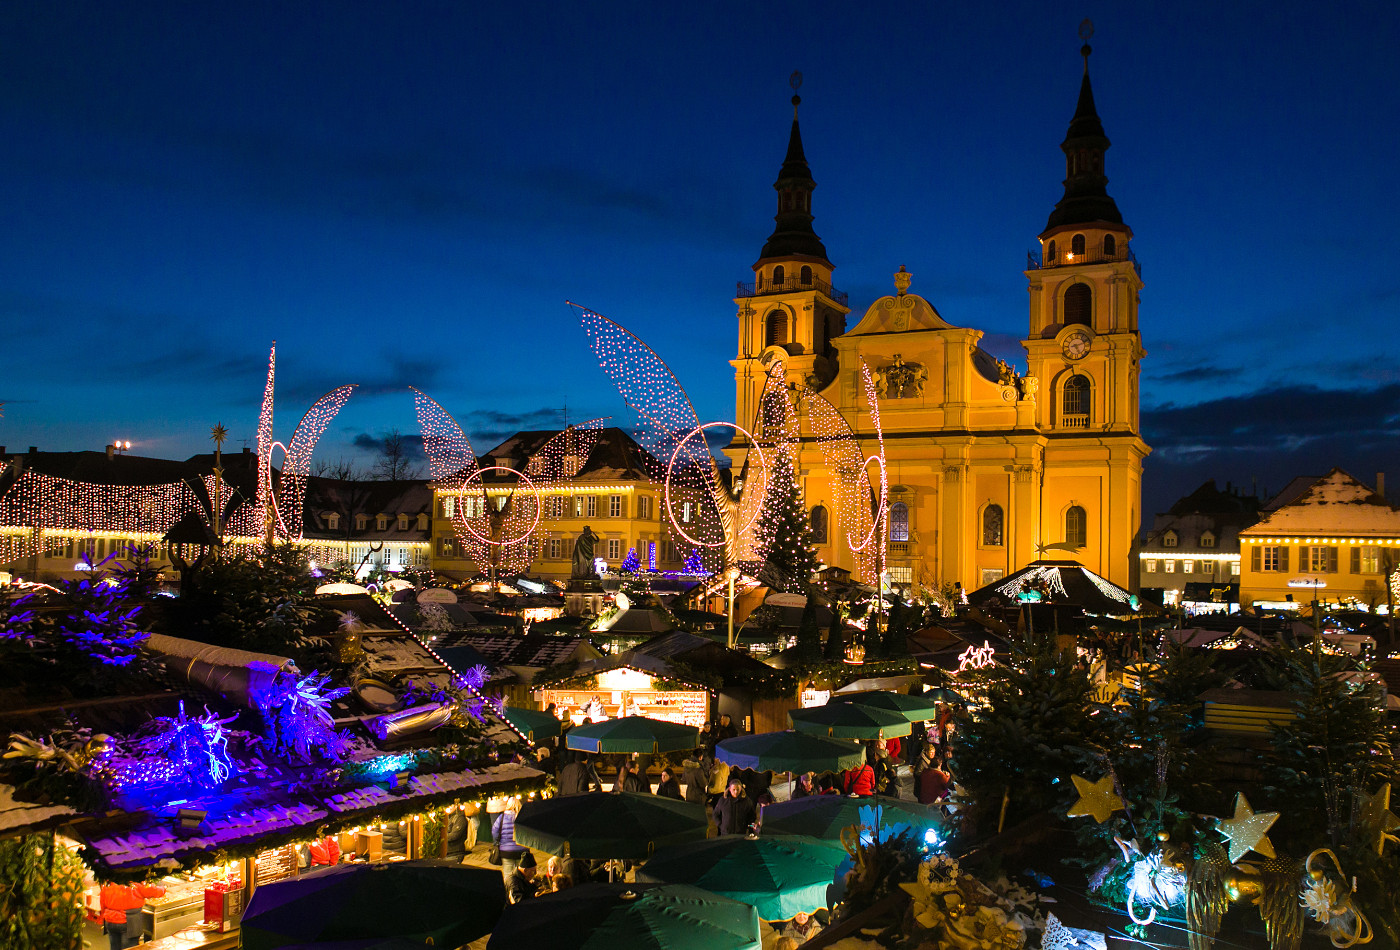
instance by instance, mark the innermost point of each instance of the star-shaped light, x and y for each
(1247, 831)
(1096, 799)
(1375, 817)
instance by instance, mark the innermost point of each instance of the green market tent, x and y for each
(825, 816)
(912, 708)
(628, 917)
(603, 825)
(780, 876)
(790, 751)
(633, 734)
(849, 721)
(533, 723)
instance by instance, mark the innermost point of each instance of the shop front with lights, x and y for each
(624, 691)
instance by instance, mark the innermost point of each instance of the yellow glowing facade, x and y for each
(989, 469)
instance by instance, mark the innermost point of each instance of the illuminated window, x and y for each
(1079, 305)
(333, 521)
(899, 521)
(1076, 245)
(614, 506)
(1234, 568)
(776, 332)
(1076, 526)
(449, 507)
(1207, 539)
(1169, 540)
(1110, 246)
(1188, 567)
(592, 506)
(1318, 559)
(1077, 395)
(992, 526)
(381, 522)
(1169, 566)
(1271, 558)
(1366, 560)
(556, 549)
(817, 524)
(687, 511)
(1150, 565)
(447, 547)
(900, 575)
(614, 548)
(990, 575)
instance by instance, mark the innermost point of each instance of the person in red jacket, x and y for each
(860, 781)
(121, 905)
(934, 783)
(325, 851)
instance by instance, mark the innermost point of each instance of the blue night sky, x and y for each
(407, 193)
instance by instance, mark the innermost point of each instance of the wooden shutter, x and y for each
(1331, 565)
(1256, 558)
(1355, 560)
(1283, 558)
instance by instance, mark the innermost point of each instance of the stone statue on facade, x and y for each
(583, 555)
(901, 380)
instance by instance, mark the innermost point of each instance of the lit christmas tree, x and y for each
(783, 524)
(631, 564)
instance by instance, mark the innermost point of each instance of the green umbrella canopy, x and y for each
(780, 876)
(790, 751)
(850, 721)
(416, 900)
(633, 734)
(534, 723)
(912, 708)
(826, 816)
(628, 917)
(608, 824)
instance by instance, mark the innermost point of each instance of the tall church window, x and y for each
(806, 275)
(992, 517)
(1076, 402)
(777, 329)
(1079, 305)
(899, 521)
(817, 524)
(1076, 245)
(778, 275)
(1110, 246)
(1076, 526)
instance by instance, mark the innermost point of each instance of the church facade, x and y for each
(989, 469)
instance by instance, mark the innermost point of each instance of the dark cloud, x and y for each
(371, 442)
(1194, 374)
(1264, 439)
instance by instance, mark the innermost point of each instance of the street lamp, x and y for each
(121, 446)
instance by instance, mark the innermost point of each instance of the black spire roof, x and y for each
(1086, 199)
(792, 234)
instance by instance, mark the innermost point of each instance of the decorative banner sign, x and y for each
(1306, 582)
(436, 595)
(786, 600)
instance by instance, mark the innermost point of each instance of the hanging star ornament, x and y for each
(1375, 818)
(1096, 799)
(1247, 831)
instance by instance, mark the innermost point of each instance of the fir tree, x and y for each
(1029, 736)
(783, 522)
(809, 635)
(631, 564)
(835, 636)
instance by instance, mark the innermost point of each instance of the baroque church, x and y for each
(989, 469)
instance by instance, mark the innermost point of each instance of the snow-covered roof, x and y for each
(1335, 504)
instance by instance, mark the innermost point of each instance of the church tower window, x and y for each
(806, 275)
(1076, 245)
(777, 329)
(1077, 395)
(1079, 305)
(1110, 246)
(817, 524)
(1050, 253)
(778, 275)
(899, 521)
(1076, 526)
(992, 517)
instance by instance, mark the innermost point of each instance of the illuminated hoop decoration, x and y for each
(529, 484)
(297, 455)
(723, 527)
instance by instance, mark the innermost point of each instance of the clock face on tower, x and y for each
(1075, 345)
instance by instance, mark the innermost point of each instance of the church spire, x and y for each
(792, 233)
(1086, 199)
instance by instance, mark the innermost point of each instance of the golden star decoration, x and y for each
(1096, 799)
(1247, 831)
(1375, 817)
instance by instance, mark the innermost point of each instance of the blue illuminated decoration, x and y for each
(191, 749)
(297, 715)
(694, 563)
(476, 676)
(389, 764)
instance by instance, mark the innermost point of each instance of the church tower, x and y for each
(1085, 351)
(791, 305)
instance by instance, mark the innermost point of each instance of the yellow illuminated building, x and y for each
(1332, 538)
(989, 469)
(612, 494)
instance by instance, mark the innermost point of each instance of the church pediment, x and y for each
(903, 313)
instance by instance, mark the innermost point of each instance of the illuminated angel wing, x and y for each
(1279, 905)
(451, 463)
(265, 433)
(775, 434)
(1206, 900)
(304, 438)
(668, 431)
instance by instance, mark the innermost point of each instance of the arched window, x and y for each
(899, 521)
(1076, 245)
(1079, 305)
(817, 524)
(1110, 246)
(1076, 402)
(992, 517)
(1076, 526)
(806, 274)
(1050, 253)
(777, 329)
(778, 276)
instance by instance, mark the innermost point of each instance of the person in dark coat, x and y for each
(579, 777)
(696, 776)
(806, 786)
(668, 787)
(522, 885)
(724, 730)
(629, 781)
(735, 812)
